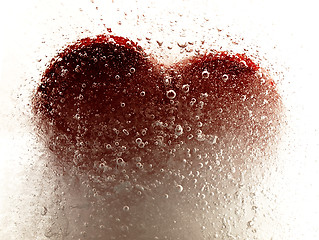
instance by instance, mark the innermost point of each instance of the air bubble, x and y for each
(171, 94)
(225, 77)
(205, 74)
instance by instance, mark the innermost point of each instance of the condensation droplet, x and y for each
(126, 208)
(132, 70)
(77, 116)
(108, 146)
(171, 94)
(179, 188)
(185, 88)
(44, 211)
(143, 132)
(193, 101)
(141, 145)
(160, 43)
(139, 165)
(205, 74)
(120, 161)
(225, 77)
(178, 130)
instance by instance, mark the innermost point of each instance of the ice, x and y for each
(212, 187)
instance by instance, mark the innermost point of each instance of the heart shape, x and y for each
(104, 102)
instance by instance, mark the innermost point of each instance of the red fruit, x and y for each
(104, 101)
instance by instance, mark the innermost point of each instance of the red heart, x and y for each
(103, 101)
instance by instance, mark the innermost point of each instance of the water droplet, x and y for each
(205, 74)
(225, 77)
(141, 145)
(139, 165)
(250, 224)
(171, 94)
(124, 228)
(120, 161)
(179, 188)
(108, 146)
(201, 104)
(243, 98)
(132, 70)
(44, 211)
(178, 130)
(77, 69)
(185, 88)
(193, 101)
(143, 132)
(77, 116)
(126, 208)
(160, 43)
(182, 44)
